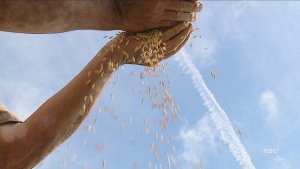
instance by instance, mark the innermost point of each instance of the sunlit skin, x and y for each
(23, 145)
(48, 16)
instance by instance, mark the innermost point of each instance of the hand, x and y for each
(142, 15)
(130, 48)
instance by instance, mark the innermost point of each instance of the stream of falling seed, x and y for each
(154, 91)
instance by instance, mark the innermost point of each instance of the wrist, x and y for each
(94, 15)
(111, 57)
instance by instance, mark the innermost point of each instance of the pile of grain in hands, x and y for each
(151, 47)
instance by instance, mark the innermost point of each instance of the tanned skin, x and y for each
(24, 145)
(53, 16)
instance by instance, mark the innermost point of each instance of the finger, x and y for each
(178, 48)
(168, 24)
(171, 32)
(179, 16)
(183, 6)
(174, 43)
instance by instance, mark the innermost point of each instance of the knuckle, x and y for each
(199, 7)
(194, 6)
(179, 15)
(192, 16)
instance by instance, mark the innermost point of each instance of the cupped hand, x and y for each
(142, 15)
(135, 49)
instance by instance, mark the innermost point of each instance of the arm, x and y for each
(24, 145)
(53, 16)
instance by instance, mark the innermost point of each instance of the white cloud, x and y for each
(217, 114)
(269, 101)
(204, 53)
(197, 140)
(280, 163)
(214, 31)
(203, 49)
(26, 100)
(23, 98)
(239, 8)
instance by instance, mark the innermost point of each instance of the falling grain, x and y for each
(91, 98)
(163, 124)
(100, 147)
(103, 164)
(89, 128)
(84, 142)
(84, 107)
(169, 161)
(122, 128)
(88, 82)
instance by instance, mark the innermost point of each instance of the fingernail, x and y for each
(194, 17)
(190, 27)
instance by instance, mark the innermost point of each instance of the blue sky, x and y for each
(253, 46)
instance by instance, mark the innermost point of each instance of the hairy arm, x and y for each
(53, 16)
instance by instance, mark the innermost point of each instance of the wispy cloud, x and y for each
(269, 102)
(280, 163)
(239, 8)
(205, 51)
(23, 98)
(218, 115)
(197, 140)
(26, 100)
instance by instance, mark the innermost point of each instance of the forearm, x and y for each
(48, 16)
(62, 114)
